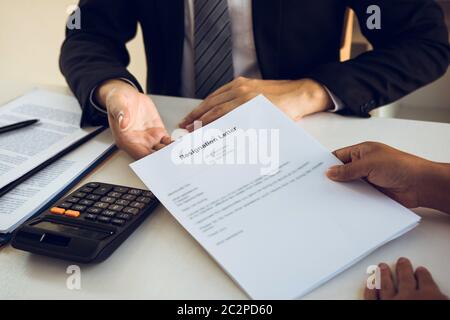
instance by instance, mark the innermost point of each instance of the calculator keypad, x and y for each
(94, 210)
(102, 190)
(79, 194)
(93, 197)
(104, 204)
(108, 213)
(72, 213)
(108, 199)
(73, 199)
(115, 207)
(104, 219)
(101, 205)
(91, 217)
(114, 194)
(128, 197)
(131, 210)
(78, 207)
(122, 202)
(118, 222)
(85, 202)
(57, 210)
(121, 189)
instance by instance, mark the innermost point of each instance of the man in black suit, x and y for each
(228, 51)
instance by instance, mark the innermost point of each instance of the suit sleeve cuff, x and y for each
(338, 105)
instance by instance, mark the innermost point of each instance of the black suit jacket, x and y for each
(294, 39)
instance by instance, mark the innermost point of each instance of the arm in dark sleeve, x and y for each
(96, 52)
(410, 50)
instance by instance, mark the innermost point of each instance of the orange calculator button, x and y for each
(72, 213)
(57, 210)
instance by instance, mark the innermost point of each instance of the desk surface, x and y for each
(162, 261)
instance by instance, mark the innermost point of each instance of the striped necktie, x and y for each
(213, 47)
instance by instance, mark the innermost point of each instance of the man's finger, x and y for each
(345, 154)
(137, 151)
(166, 140)
(159, 146)
(123, 119)
(219, 111)
(405, 275)
(195, 114)
(424, 279)
(119, 120)
(209, 103)
(370, 294)
(349, 172)
(387, 289)
(119, 117)
(222, 89)
(119, 111)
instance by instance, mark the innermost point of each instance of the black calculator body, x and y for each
(87, 225)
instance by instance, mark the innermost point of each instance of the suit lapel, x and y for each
(267, 28)
(172, 14)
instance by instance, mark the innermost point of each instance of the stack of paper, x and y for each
(25, 149)
(251, 189)
(58, 128)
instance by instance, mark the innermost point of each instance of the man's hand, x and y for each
(134, 121)
(297, 98)
(418, 285)
(399, 175)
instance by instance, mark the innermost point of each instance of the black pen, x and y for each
(18, 125)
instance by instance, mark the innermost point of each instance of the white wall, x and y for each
(31, 34)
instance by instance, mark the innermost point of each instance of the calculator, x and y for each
(87, 225)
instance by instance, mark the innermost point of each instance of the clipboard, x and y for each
(49, 161)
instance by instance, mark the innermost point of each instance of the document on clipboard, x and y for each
(58, 129)
(34, 194)
(55, 147)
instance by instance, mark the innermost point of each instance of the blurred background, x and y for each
(31, 33)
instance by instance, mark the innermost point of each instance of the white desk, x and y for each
(161, 261)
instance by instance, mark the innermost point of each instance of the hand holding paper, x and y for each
(410, 180)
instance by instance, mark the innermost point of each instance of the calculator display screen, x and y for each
(72, 230)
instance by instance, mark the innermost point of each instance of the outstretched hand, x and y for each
(133, 118)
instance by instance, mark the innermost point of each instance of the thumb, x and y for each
(120, 111)
(349, 172)
(123, 118)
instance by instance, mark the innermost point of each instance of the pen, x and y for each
(18, 125)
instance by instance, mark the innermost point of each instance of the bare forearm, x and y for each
(435, 186)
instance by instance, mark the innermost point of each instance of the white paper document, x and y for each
(251, 189)
(28, 198)
(24, 149)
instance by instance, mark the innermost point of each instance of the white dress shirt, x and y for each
(245, 62)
